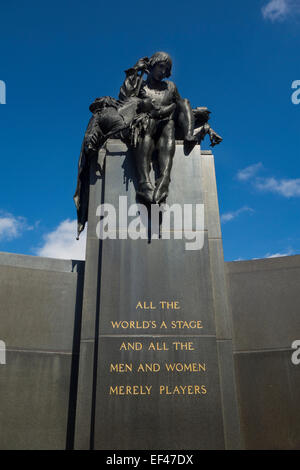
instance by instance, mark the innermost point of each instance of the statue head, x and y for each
(161, 58)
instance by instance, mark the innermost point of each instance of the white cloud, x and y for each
(270, 255)
(279, 255)
(62, 243)
(228, 216)
(12, 227)
(249, 172)
(284, 187)
(279, 10)
(275, 10)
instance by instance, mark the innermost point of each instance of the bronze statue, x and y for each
(149, 115)
(154, 129)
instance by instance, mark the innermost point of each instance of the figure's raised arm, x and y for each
(133, 80)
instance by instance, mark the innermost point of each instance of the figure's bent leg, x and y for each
(166, 150)
(185, 120)
(143, 154)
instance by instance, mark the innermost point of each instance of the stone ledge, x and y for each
(117, 145)
(37, 262)
(263, 264)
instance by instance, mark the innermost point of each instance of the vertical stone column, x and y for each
(224, 333)
(152, 377)
(90, 317)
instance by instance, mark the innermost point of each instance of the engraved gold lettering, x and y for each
(187, 346)
(182, 390)
(149, 367)
(174, 305)
(131, 346)
(158, 346)
(130, 390)
(120, 367)
(182, 367)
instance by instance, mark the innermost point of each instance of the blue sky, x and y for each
(237, 58)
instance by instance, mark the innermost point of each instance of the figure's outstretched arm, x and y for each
(202, 131)
(202, 128)
(215, 138)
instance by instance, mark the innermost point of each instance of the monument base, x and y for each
(156, 366)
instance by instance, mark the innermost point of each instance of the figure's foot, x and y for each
(146, 191)
(189, 143)
(162, 189)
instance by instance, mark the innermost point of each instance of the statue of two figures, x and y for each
(149, 115)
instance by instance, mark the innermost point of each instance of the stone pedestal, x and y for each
(154, 375)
